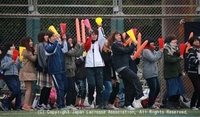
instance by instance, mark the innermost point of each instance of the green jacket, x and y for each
(172, 68)
(70, 59)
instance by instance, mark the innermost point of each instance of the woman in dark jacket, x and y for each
(108, 74)
(120, 60)
(194, 71)
(172, 72)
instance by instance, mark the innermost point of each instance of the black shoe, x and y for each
(177, 105)
(89, 102)
(170, 105)
(18, 109)
(4, 107)
(99, 106)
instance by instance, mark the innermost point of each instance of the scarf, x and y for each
(150, 47)
(119, 42)
(172, 48)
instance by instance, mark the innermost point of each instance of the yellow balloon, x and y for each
(98, 20)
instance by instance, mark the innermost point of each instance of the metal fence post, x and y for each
(33, 24)
(117, 23)
(36, 23)
(120, 21)
(29, 20)
(113, 20)
(163, 20)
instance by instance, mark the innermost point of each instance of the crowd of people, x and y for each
(69, 66)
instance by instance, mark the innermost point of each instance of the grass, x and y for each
(105, 113)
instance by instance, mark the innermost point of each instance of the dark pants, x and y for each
(71, 92)
(115, 90)
(154, 87)
(13, 84)
(95, 79)
(81, 84)
(60, 81)
(174, 98)
(196, 94)
(44, 95)
(132, 85)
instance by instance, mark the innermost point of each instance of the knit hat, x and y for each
(150, 39)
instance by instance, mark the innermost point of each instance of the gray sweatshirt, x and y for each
(41, 55)
(149, 66)
(10, 67)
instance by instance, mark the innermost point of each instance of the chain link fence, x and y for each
(154, 18)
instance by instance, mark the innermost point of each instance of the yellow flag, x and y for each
(20, 52)
(52, 29)
(131, 35)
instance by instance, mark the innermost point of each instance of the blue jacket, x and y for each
(55, 57)
(10, 67)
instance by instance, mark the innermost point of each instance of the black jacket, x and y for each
(193, 62)
(121, 55)
(107, 68)
(80, 72)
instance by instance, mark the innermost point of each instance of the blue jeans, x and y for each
(60, 81)
(154, 87)
(81, 84)
(107, 90)
(13, 84)
(95, 79)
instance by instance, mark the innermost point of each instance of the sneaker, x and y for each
(91, 106)
(48, 106)
(99, 107)
(42, 107)
(71, 107)
(113, 107)
(4, 107)
(27, 108)
(64, 109)
(81, 106)
(153, 107)
(194, 108)
(129, 108)
(18, 109)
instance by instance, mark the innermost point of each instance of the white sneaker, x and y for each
(71, 107)
(129, 108)
(91, 106)
(194, 108)
(113, 107)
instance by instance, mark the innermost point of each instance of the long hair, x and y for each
(106, 47)
(111, 38)
(41, 36)
(6, 48)
(25, 43)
